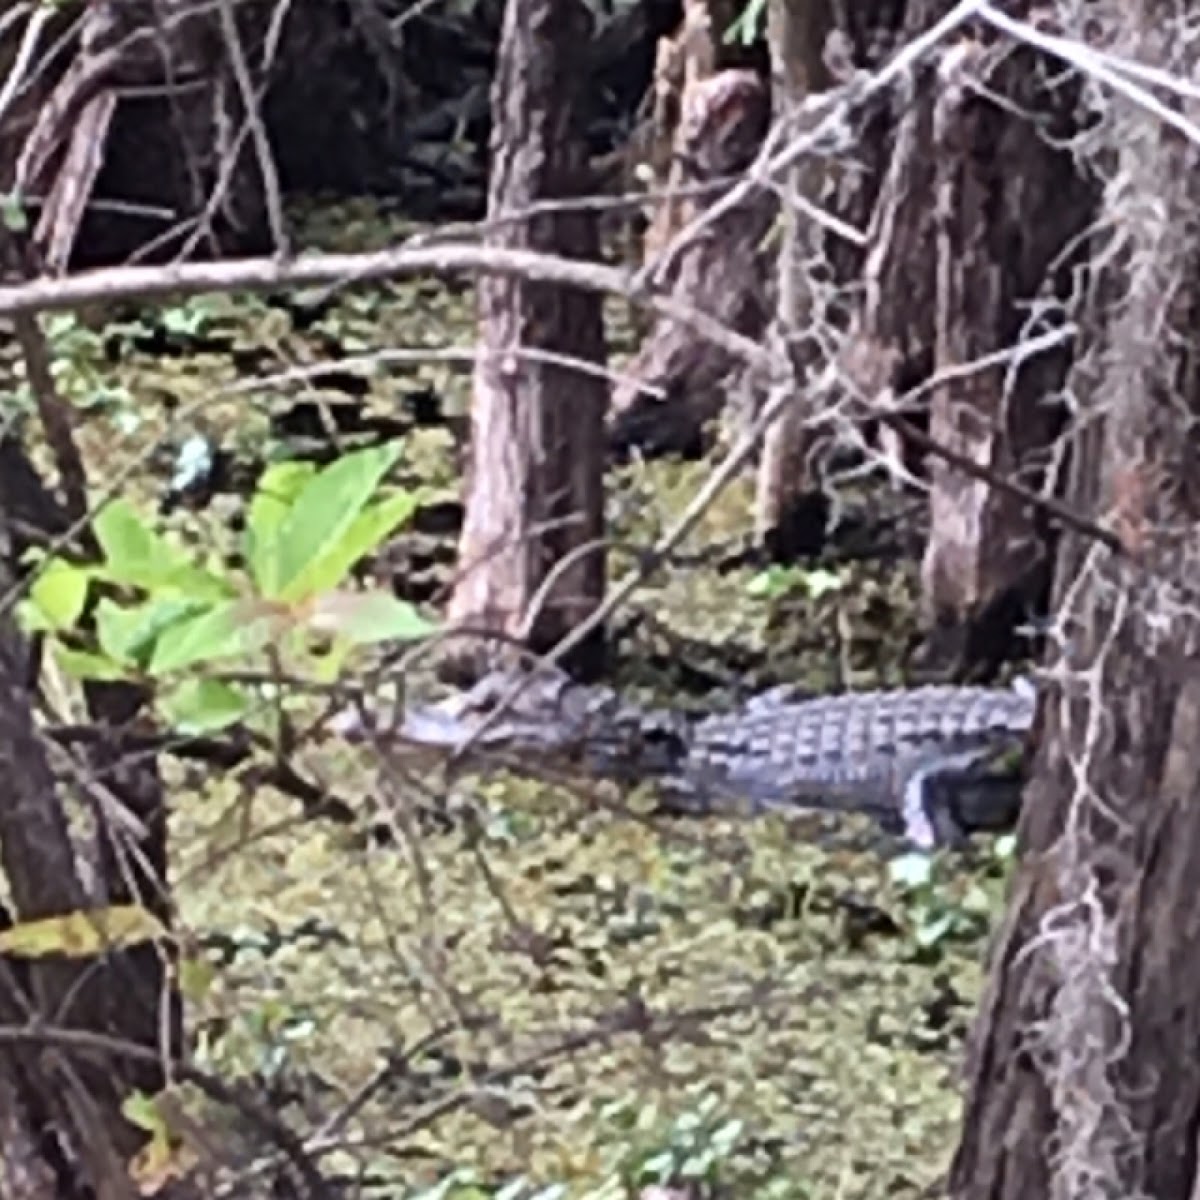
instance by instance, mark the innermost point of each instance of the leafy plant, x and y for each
(167, 618)
(778, 581)
(937, 913)
(189, 319)
(690, 1148)
(78, 365)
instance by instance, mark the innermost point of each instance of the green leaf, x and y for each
(128, 634)
(779, 580)
(277, 490)
(12, 213)
(31, 619)
(80, 664)
(59, 593)
(364, 618)
(142, 1111)
(198, 706)
(225, 630)
(366, 534)
(775, 581)
(323, 514)
(1005, 847)
(135, 555)
(326, 667)
(131, 548)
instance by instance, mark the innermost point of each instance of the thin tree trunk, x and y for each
(722, 269)
(789, 515)
(47, 1095)
(136, 989)
(535, 489)
(129, 994)
(1081, 1074)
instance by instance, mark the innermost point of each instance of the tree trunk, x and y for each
(1009, 201)
(789, 509)
(682, 63)
(47, 1095)
(1081, 1075)
(129, 857)
(128, 994)
(535, 491)
(676, 383)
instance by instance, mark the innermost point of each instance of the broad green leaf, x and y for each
(79, 664)
(363, 618)
(128, 634)
(192, 580)
(140, 1109)
(227, 629)
(323, 514)
(365, 535)
(31, 619)
(59, 593)
(135, 555)
(131, 548)
(277, 490)
(198, 706)
(83, 934)
(326, 667)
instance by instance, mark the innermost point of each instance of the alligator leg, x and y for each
(944, 802)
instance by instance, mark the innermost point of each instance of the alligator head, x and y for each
(542, 716)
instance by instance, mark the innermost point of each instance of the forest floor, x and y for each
(806, 1000)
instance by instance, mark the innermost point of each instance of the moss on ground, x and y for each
(789, 983)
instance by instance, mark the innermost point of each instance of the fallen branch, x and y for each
(127, 284)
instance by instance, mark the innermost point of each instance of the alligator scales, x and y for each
(937, 762)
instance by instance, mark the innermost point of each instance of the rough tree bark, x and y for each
(789, 510)
(1009, 201)
(674, 382)
(135, 991)
(969, 234)
(732, 274)
(1081, 1074)
(535, 490)
(61, 1129)
(682, 63)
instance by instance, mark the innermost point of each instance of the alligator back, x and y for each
(887, 752)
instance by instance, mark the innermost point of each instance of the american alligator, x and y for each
(934, 762)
